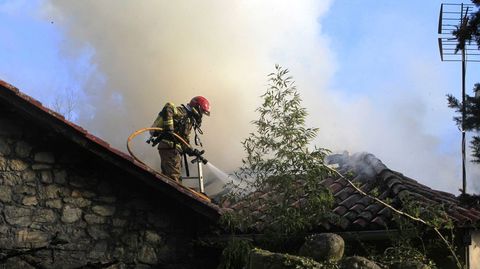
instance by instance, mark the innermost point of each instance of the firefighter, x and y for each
(181, 120)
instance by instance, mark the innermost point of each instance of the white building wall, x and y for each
(474, 250)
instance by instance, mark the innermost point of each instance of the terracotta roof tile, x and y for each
(327, 181)
(343, 223)
(351, 200)
(351, 216)
(459, 217)
(392, 180)
(379, 221)
(345, 193)
(385, 213)
(398, 188)
(340, 210)
(471, 214)
(357, 208)
(365, 201)
(359, 222)
(335, 187)
(374, 208)
(366, 215)
(384, 195)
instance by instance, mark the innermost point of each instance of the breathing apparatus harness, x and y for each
(196, 118)
(197, 122)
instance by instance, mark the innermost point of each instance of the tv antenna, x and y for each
(451, 18)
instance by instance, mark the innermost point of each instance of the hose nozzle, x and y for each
(198, 154)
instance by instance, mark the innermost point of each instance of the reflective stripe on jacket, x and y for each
(174, 119)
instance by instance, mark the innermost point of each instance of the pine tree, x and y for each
(468, 32)
(472, 117)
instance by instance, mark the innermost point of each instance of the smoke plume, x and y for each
(146, 53)
(151, 52)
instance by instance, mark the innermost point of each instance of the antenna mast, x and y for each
(453, 16)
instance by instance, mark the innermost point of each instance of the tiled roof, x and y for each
(357, 212)
(34, 109)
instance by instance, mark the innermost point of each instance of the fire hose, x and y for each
(199, 158)
(198, 154)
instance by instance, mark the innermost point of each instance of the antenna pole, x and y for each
(464, 173)
(451, 18)
(463, 21)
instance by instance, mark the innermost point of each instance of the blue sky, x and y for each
(370, 70)
(377, 42)
(376, 55)
(376, 50)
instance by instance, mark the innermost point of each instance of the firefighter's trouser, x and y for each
(171, 161)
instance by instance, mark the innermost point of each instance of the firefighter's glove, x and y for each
(153, 140)
(194, 152)
(198, 153)
(200, 159)
(190, 152)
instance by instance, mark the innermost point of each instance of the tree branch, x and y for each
(459, 265)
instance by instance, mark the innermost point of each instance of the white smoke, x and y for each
(153, 52)
(145, 53)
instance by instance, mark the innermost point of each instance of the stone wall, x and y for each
(61, 207)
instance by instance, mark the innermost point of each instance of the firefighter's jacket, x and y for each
(176, 119)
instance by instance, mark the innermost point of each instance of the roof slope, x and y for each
(34, 110)
(358, 212)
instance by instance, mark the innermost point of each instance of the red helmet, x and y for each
(201, 104)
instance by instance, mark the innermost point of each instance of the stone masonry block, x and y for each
(94, 219)
(5, 194)
(57, 203)
(29, 200)
(3, 164)
(31, 238)
(12, 178)
(41, 166)
(44, 157)
(29, 175)
(17, 165)
(71, 214)
(78, 201)
(152, 237)
(4, 147)
(24, 190)
(104, 210)
(97, 232)
(60, 176)
(22, 149)
(147, 255)
(54, 192)
(18, 216)
(46, 176)
(119, 222)
(44, 216)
